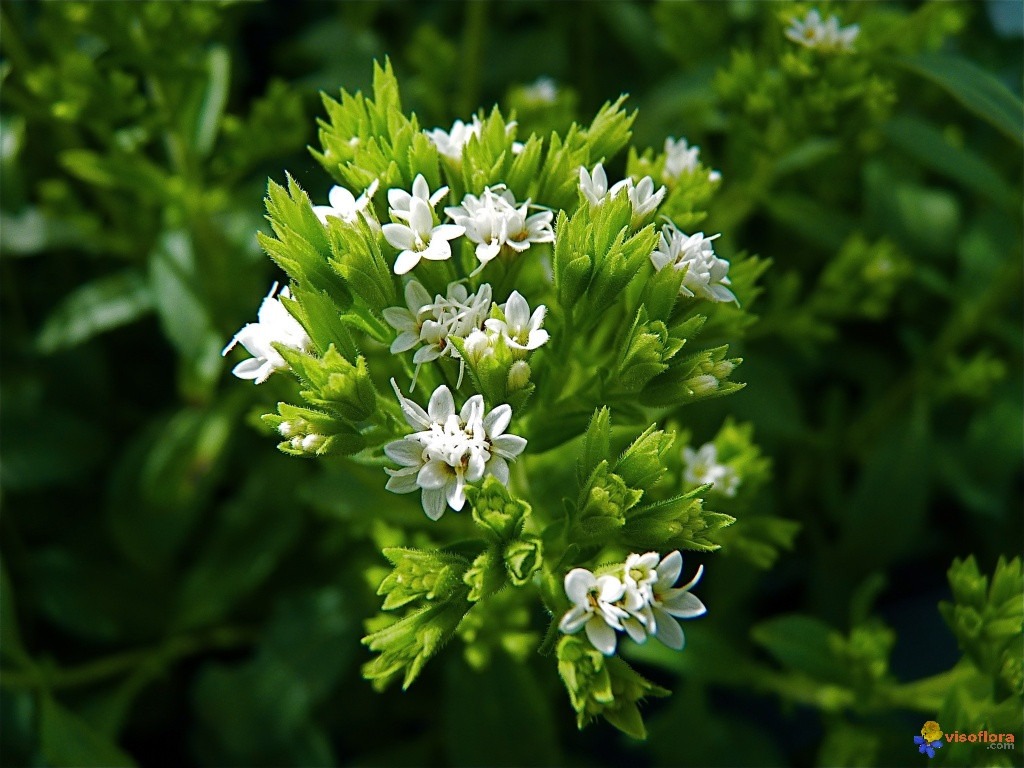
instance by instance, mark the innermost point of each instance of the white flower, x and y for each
(702, 467)
(495, 221)
(667, 601)
(520, 329)
(642, 196)
(450, 450)
(594, 184)
(344, 205)
(451, 143)
(812, 32)
(594, 608)
(274, 324)
(706, 274)
(542, 90)
(680, 158)
(419, 238)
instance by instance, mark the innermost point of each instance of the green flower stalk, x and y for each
(469, 320)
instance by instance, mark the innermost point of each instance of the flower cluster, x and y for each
(825, 35)
(638, 597)
(275, 325)
(494, 221)
(702, 466)
(415, 232)
(681, 159)
(452, 142)
(450, 449)
(706, 275)
(642, 195)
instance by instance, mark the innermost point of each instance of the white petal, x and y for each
(611, 588)
(456, 493)
(442, 404)
(416, 296)
(250, 369)
(669, 569)
(405, 452)
(669, 631)
(498, 467)
(578, 583)
(433, 475)
(434, 503)
(635, 630)
(341, 199)
(415, 415)
(399, 319)
(509, 446)
(683, 604)
(496, 422)
(405, 341)
(601, 636)
(402, 480)
(323, 211)
(574, 620)
(447, 232)
(517, 311)
(406, 261)
(398, 236)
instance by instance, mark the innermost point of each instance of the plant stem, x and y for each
(473, 34)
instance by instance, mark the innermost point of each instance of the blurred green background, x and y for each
(176, 592)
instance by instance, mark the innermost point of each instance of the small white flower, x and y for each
(702, 467)
(520, 329)
(345, 206)
(418, 238)
(642, 196)
(812, 32)
(495, 221)
(450, 450)
(543, 90)
(594, 608)
(275, 324)
(451, 143)
(706, 274)
(668, 601)
(594, 184)
(431, 323)
(680, 159)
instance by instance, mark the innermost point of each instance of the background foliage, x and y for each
(175, 591)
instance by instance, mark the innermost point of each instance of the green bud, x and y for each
(680, 522)
(643, 463)
(408, 644)
(603, 505)
(523, 558)
(486, 576)
(606, 686)
(645, 353)
(308, 432)
(421, 575)
(495, 510)
(518, 375)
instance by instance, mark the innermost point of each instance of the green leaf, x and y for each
(214, 99)
(11, 648)
(974, 88)
(95, 308)
(67, 740)
(926, 143)
(800, 643)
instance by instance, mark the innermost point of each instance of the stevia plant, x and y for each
(501, 333)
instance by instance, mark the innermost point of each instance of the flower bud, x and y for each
(703, 384)
(523, 558)
(518, 375)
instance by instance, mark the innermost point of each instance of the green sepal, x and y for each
(419, 574)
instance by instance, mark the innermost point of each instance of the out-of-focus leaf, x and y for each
(163, 480)
(926, 144)
(806, 155)
(45, 447)
(214, 98)
(11, 648)
(95, 308)
(973, 87)
(922, 219)
(93, 595)
(816, 223)
(250, 535)
(477, 707)
(258, 712)
(19, 745)
(175, 284)
(67, 740)
(800, 643)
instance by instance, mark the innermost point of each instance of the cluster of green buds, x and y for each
(467, 316)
